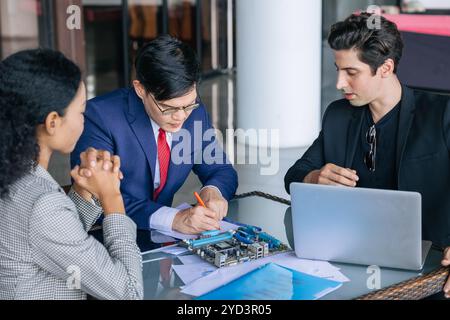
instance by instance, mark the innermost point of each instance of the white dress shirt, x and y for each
(162, 219)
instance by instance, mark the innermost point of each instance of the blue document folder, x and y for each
(273, 282)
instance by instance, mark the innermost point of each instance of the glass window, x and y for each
(19, 25)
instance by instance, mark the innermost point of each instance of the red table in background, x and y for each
(426, 56)
(418, 23)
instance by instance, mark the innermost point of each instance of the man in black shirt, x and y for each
(383, 134)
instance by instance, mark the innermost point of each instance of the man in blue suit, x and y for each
(161, 131)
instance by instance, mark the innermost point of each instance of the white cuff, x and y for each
(162, 218)
(214, 187)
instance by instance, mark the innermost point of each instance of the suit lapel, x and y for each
(404, 124)
(353, 135)
(142, 128)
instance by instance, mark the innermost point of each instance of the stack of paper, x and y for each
(194, 269)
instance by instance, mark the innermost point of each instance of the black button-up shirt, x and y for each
(385, 174)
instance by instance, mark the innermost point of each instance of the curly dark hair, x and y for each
(375, 44)
(33, 83)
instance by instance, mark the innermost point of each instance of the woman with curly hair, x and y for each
(45, 250)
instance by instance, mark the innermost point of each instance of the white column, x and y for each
(279, 68)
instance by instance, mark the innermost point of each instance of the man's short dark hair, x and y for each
(167, 67)
(375, 42)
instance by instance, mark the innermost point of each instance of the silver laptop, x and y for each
(358, 225)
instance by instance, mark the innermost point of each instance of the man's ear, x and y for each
(387, 68)
(52, 122)
(139, 88)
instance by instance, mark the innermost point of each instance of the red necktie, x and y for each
(163, 159)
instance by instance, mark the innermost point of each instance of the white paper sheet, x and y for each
(326, 291)
(191, 272)
(157, 235)
(191, 259)
(322, 269)
(224, 226)
(177, 250)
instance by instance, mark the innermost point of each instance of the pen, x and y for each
(210, 232)
(225, 219)
(199, 199)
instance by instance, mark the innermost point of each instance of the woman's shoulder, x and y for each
(35, 187)
(32, 203)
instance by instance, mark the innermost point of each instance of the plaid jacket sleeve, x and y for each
(89, 212)
(61, 246)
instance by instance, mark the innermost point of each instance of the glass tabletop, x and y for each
(161, 282)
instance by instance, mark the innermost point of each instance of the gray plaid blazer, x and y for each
(46, 252)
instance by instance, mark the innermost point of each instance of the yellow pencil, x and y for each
(199, 199)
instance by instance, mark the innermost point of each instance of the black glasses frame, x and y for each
(171, 110)
(370, 156)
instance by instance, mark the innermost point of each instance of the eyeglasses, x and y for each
(371, 138)
(167, 110)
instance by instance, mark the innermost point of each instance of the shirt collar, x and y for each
(40, 172)
(156, 128)
(391, 114)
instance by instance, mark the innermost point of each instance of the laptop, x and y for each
(358, 226)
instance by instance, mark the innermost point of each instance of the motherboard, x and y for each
(234, 246)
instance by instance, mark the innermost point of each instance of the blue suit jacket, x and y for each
(117, 122)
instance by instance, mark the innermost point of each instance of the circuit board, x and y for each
(229, 248)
